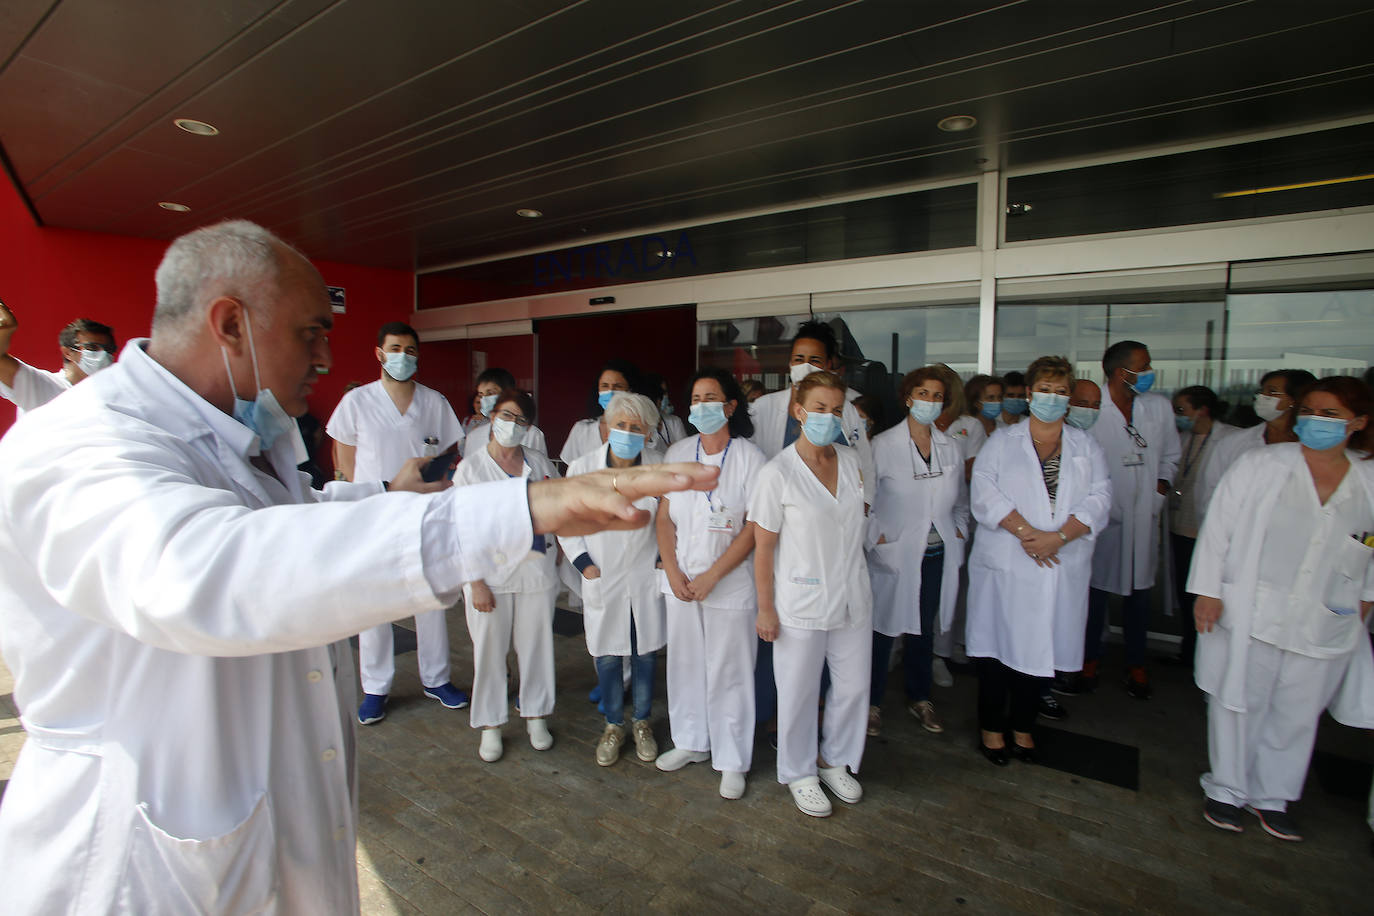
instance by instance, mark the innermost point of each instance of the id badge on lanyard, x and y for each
(722, 520)
(1132, 459)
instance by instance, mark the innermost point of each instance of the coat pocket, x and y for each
(1333, 625)
(234, 873)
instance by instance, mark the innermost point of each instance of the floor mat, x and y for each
(1089, 757)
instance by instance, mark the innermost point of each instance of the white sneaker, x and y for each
(677, 758)
(731, 785)
(810, 797)
(490, 749)
(538, 730)
(838, 780)
(939, 673)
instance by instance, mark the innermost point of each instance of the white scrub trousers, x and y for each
(525, 618)
(1260, 757)
(377, 658)
(798, 656)
(711, 681)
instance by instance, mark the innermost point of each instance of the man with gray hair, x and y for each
(175, 602)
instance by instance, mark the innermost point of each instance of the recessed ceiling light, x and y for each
(529, 213)
(175, 208)
(199, 128)
(956, 123)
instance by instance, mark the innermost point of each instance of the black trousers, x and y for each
(996, 683)
(1183, 560)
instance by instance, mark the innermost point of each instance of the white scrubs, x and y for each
(770, 414)
(582, 438)
(385, 439)
(1299, 649)
(523, 614)
(33, 387)
(823, 599)
(711, 645)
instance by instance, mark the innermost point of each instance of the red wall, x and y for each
(49, 277)
(571, 350)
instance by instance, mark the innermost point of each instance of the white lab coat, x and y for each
(166, 612)
(904, 509)
(1226, 453)
(770, 414)
(1030, 617)
(820, 580)
(33, 387)
(1226, 566)
(1128, 546)
(628, 587)
(480, 434)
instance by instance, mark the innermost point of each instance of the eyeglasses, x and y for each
(93, 347)
(512, 418)
(1136, 437)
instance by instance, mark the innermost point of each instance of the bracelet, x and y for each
(1062, 536)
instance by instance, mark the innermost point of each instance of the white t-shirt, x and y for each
(690, 511)
(367, 419)
(820, 579)
(480, 435)
(969, 433)
(33, 387)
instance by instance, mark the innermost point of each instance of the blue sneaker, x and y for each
(373, 709)
(595, 695)
(450, 696)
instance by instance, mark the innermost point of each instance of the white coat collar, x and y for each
(160, 389)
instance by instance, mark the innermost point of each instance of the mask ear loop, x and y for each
(252, 351)
(233, 389)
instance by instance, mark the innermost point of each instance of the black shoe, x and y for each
(1140, 689)
(1222, 815)
(997, 756)
(1052, 709)
(1068, 684)
(1024, 754)
(1278, 824)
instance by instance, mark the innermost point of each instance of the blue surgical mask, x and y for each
(1015, 406)
(821, 428)
(1081, 417)
(707, 416)
(925, 412)
(400, 366)
(1320, 433)
(1047, 407)
(625, 445)
(991, 409)
(604, 398)
(1144, 381)
(1184, 424)
(488, 403)
(665, 406)
(264, 415)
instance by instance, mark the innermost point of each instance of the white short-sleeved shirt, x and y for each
(969, 433)
(367, 419)
(537, 571)
(584, 436)
(690, 511)
(480, 435)
(820, 579)
(33, 387)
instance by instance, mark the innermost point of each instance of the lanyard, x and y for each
(1188, 463)
(724, 455)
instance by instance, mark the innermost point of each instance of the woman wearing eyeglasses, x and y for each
(915, 543)
(1040, 492)
(1285, 581)
(519, 609)
(622, 604)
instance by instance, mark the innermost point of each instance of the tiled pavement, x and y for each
(939, 830)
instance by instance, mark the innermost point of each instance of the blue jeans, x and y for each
(610, 675)
(1135, 620)
(916, 650)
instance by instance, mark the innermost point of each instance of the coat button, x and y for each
(329, 755)
(499, 558)
(314, 677)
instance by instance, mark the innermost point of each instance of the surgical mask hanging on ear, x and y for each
(264, 414)
(92, 361)
(401, 366)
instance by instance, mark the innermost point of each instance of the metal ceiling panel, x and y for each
(406, 135)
